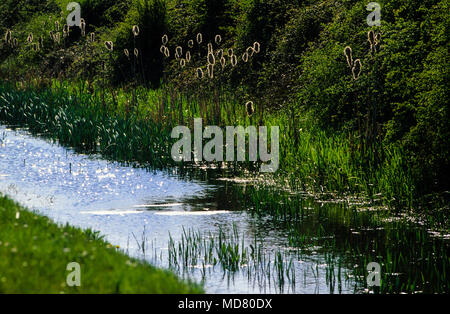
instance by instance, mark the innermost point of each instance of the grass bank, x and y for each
(35, 252)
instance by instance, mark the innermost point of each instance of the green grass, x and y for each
(34, 253)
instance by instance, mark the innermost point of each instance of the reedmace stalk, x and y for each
(249, 108)
(109, 45)
(199, 38)
(348, 56)
(135, 31)
(356, 70)
(165, 40)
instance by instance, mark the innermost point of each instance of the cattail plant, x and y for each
(199, 73)
(250, 51)
(35, 47)
(188, 56)
(256, 47)
(211, 70)
(219, 53)
(210, 48)
(30, 38)
(199, 38)
(41, 42)
(92, 36)
(166, 52)
(15, 43)
(136, 52)
(182, 63)
(135, 31)
(57, 38)
(223, 62)
(165, 40)
(356, 70)
(191, 43)
(178, 52)
(211, 59)
(234, 60)
(230, 52)
(127, 53)
(109, 45)
(371, 39)
(218, 39)
(249, 108)
(83, 27)
(8, 36)
(245, 57)
(56, 26)
(348, 56)
(377, 42)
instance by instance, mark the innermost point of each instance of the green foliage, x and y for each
(35, 252)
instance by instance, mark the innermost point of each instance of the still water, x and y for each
(129, 205)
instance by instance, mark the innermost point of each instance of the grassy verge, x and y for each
(35, 252)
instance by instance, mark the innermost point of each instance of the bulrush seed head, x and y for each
(126, 52)
(83, 27)
(30, 38)
(8, 36)
(223, 62)
(109, 45)
(199, 73)
(356, 69)
(218, 39)
(230, 52)
(250, 51)
(165, 40)
(162, 49)
(188, 56)
(211, 59)
(371, 37)
(191, 43)
(210, 48)
(136, 52)
(348, 55)
(233, 60)
(58, 38)
(41, 42)
(199, 38)
(92, 35)
(179, 52)
(378, 38)
(249, 108)
(219, 53)
(245, 57)
(182, 63)
(257, 47)
(211, 71)
(135, 31)
(57, 26)
(166, 52)
(15, 42)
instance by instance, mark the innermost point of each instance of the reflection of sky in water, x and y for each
(121, 201)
